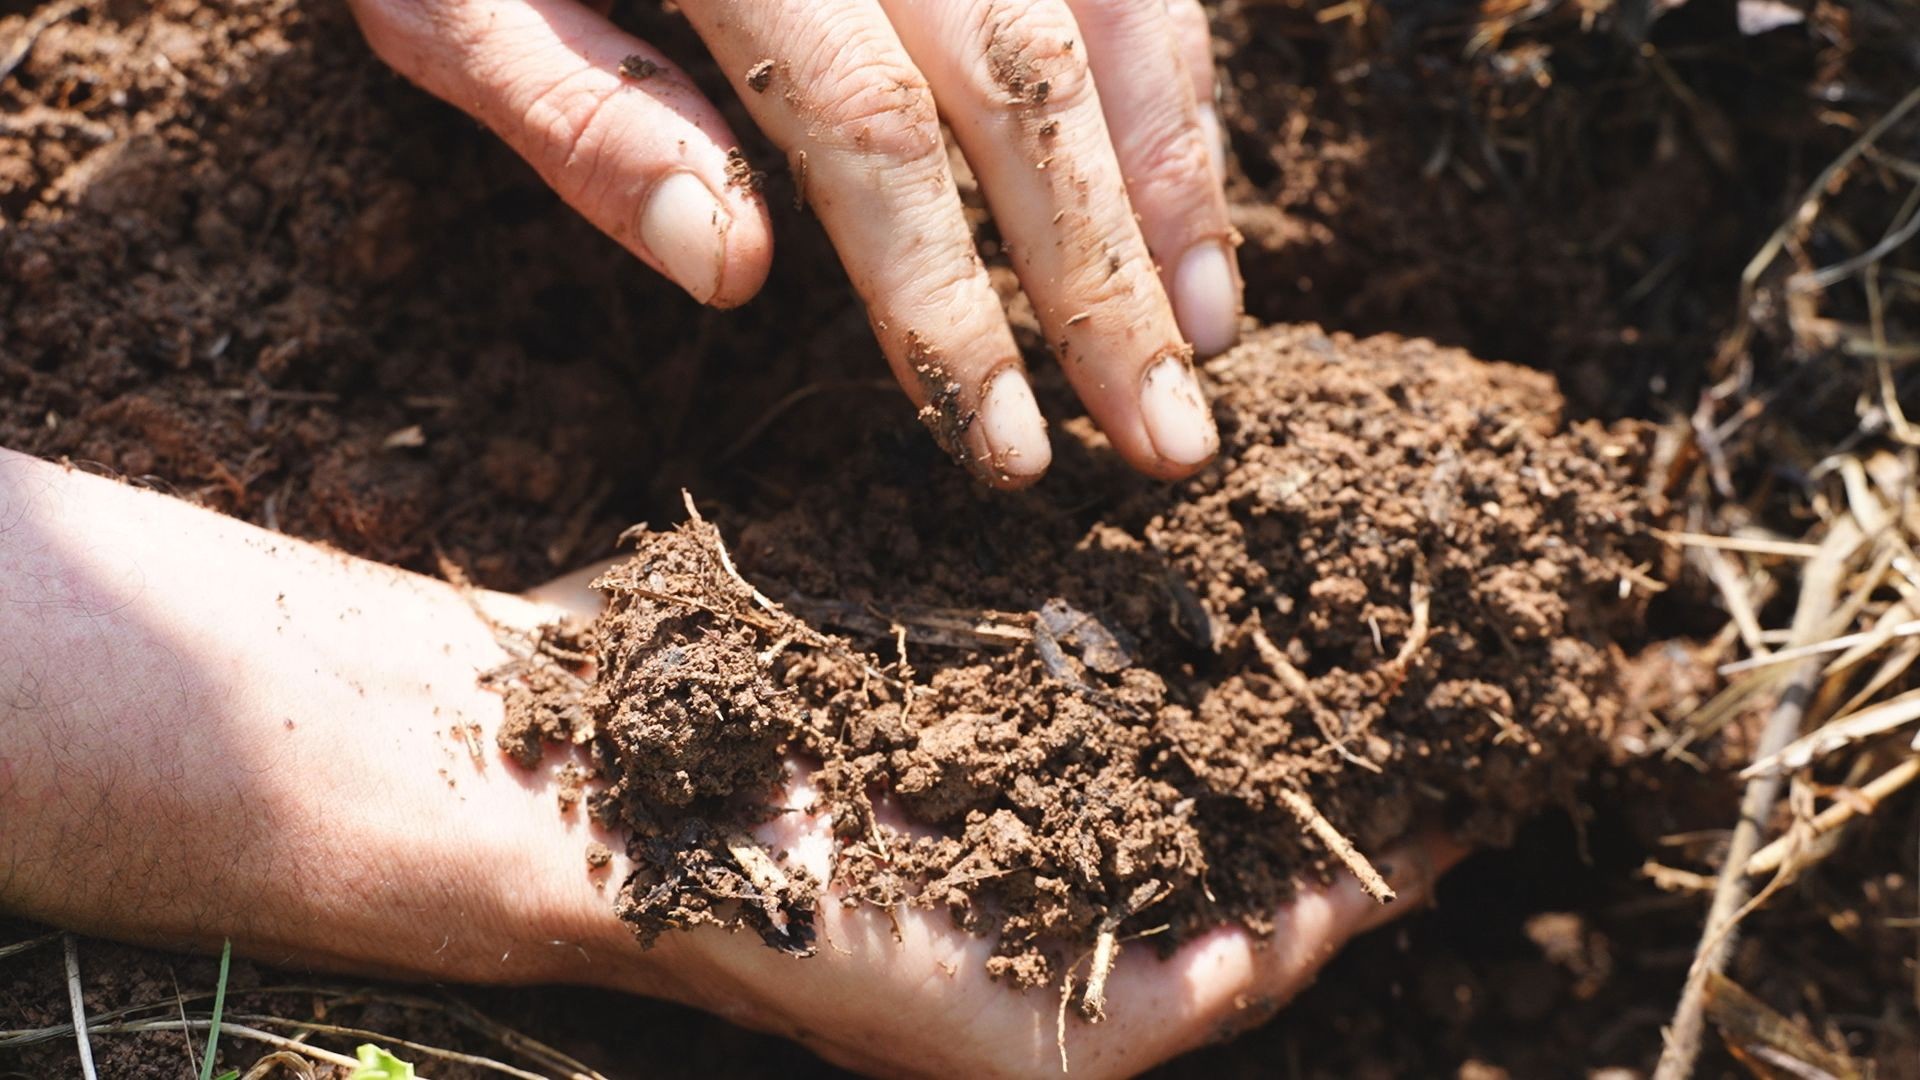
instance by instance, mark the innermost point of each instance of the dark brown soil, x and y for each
(241, 262)
(1397, 594)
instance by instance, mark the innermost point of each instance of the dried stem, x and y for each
(1819, 589)
(1863, 801)
(1338, 845)
(78, 1002)
(1296, 683)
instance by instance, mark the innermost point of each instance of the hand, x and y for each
(1109, 201)
(209, 731)
(909, 995)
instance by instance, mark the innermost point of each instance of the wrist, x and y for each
(233, 735)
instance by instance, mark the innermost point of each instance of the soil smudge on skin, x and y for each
(741, 173)
(943, 414)
(1395, 596)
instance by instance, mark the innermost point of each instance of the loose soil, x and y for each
(241, 262)
(1398, 595)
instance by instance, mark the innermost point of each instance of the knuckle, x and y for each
(1108, 280)
(567, 123)
(879, 106)
(949, 286)
(1029, 58)
(1170, 172)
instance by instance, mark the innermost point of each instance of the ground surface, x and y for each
(241, 262)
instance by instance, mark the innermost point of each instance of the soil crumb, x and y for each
(760, 76)
(1395, 597)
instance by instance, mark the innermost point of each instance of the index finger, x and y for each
(830, 83)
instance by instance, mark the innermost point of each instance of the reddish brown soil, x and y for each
(241, 262)
(1397, 594)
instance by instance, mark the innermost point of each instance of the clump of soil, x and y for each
(1393, 599)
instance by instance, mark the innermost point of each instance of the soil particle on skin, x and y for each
(760, 76)
(741, 173)
(1015, 71)
(943, 414)
(540, 692)
(1396, 594)
(638, 68)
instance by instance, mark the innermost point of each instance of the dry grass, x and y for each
(1839, 685)
(299, 1047)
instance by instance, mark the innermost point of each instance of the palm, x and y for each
(907, 991)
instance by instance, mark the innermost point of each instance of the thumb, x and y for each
(617, 130)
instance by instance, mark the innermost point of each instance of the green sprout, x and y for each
(377, 1064)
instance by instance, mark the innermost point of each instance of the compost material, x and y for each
(1110, 705)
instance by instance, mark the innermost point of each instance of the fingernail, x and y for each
(1216, 142)
(1016, 433)
(685, 229)
(1206, 298)
(1176, 414)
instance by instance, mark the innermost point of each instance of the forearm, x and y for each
(209, 731)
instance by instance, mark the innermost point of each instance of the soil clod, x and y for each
(1403, 559)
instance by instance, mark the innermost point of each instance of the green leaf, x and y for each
(219, 1006)
(230, 1074)
(377, 1064)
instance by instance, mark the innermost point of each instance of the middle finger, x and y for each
(1013, 81)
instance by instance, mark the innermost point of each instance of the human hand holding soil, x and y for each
(211, 731)
(1109, 201)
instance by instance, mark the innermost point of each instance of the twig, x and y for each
(459, 1012)
(1821, 648)
(1875, 720)
(1674, 880)
(946, 627)
(1420, 600)
(785, 620)
(1751, 545)
(1866, 799)
(1337, 844)
(1733, 592)
(79, 1004)
(19, 947)
(286, 1058)
(1896, 236)
(135, 1027)
(726, 558)
(16, 51)
(1815, 192)
(1820, 585)
(391, 1040)
(1105, 948)
(569, 1068)
(1296, 683)
(906, 671)
(1060, 1021)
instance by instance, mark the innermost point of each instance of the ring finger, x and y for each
(1015, 83)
